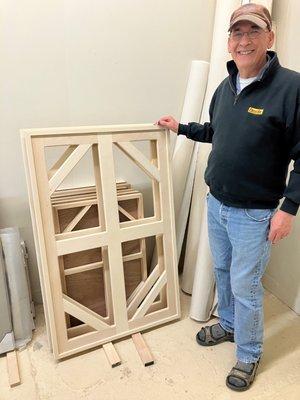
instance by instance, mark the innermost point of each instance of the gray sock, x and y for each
(217, 332)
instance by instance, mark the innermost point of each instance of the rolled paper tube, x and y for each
(182, 164)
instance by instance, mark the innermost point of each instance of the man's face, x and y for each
(248, 52)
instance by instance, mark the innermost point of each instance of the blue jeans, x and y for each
(240, 250)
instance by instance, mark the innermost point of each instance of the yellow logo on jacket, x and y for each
(255, 111)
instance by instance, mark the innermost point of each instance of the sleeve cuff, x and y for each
(183, 129)
(289, 206)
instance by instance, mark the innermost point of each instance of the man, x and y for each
(254, 129)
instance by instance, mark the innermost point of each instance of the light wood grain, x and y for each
(66, 167)
(112, 355)
(143, 350)
(13, 369)
(110, 234)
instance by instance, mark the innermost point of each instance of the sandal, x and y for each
(206, 336)
(241, 376)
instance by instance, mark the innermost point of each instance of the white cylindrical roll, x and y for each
(182, 217)
(194, 96)
(182, 166)
(185, 151)
(22, 320)
(204, 283)
(196, 214)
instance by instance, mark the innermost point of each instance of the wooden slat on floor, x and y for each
(143, 349)
(111, 354)
(13, 369)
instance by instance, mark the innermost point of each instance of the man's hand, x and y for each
(281, 226)
(169, 122)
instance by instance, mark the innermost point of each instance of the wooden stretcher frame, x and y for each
(42, 183)
(85, 190)
(80, 203)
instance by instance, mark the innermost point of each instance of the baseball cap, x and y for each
(256, 13)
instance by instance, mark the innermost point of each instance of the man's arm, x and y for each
(193, 130)
(281, 226)
(199, 133)
(282, 222)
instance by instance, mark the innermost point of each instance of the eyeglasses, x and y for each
(237, 36)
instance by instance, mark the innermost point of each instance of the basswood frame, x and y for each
(70, 210)
(141, 311)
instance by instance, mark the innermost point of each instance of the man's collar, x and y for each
(264, 68)
(271, 64)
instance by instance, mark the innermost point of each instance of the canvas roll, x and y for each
(195, 230)
(204, 283)
(22, 320)
(184, 155)
(183, 214)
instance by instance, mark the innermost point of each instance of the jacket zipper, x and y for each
(236, 96)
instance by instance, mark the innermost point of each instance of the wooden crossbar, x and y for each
(83, 268)
(154, 292)
(77, 218)
(141, 230)
(99, 264)
(134, 293)
(142, 292)
(140, 159)
(126, 213)
(66, 164)
(83, 313)
(61, 160)
(80, 243)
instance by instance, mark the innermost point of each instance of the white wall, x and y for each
(283, 273)
(88, 62)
